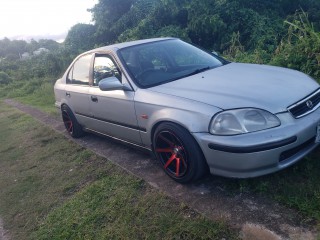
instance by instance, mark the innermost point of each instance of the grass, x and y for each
(51, 188)
(296, 187)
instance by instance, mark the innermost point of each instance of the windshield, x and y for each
(159, 62)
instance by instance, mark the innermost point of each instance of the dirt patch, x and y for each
(252, 232)
(3, 233)
(256, 216)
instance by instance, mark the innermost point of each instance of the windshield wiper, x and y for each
(199, 70)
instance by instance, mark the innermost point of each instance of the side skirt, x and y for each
(118, 140)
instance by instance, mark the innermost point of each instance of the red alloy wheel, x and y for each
(172, 154)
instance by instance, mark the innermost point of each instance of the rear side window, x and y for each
(79, 73)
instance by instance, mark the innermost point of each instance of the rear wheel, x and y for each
(71, 123)
(178, 153)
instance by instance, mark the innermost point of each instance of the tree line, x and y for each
(278, 32)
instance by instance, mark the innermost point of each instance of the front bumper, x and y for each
(263, 152)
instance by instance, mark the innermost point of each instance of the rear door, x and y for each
(77, 88)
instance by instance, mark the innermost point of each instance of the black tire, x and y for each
(178, 153)
(71, 123)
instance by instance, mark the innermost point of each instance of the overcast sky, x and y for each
(25, 19)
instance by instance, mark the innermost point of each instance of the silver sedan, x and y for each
(194, 110)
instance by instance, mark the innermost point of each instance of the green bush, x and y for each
(300, 50)
(5, 78)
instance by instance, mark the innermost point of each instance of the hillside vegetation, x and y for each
(277, 32)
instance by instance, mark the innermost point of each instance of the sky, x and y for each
(39, 19)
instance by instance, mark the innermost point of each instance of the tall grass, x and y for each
(299, 49)
(36, 92)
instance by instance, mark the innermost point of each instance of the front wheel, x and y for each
(178, 153)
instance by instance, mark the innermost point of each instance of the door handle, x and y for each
(68, 94)
(94, 99)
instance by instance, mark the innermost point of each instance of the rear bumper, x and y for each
(263, 152)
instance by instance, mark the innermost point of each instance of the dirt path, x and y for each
(256, 217)
(3, 232)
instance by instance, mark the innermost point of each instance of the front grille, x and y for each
(293, 151)
(305, 106)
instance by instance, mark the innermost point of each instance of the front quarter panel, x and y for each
(153, 108)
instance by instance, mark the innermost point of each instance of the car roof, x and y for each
(118, 46)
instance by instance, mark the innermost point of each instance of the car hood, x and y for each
(238, 85)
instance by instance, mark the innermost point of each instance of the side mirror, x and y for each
(112, 83)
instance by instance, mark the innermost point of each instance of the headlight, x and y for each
(239, 121)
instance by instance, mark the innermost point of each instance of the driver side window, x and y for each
(104, 67)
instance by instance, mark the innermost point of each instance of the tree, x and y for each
(12, 57)
(49, 44)
(10, 48)
(80, 38)
(32, 46)
(105, 14)
(4, 78)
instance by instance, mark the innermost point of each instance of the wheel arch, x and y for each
(70, 121)
(154, 127)
(64, 104)
(191, 121)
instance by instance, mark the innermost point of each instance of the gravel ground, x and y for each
(256, 217)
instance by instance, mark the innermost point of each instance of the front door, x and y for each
(113, 111)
